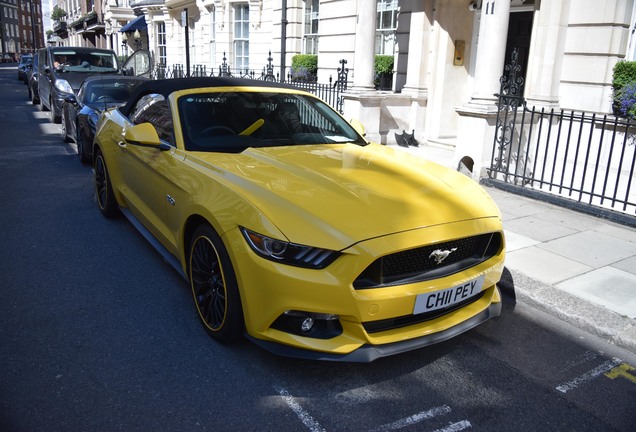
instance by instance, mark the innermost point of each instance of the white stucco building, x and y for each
(448, 54)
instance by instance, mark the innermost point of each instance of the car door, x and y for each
(138, 64)
(147, 171)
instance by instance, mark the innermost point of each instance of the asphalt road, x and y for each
(98, 333)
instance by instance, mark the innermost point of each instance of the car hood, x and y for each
(75, 79)
(336, 195)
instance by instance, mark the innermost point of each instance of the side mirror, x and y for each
(358, 126)
(144, 135)
(70, 99)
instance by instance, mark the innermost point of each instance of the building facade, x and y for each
(21, 27)
(448, 54)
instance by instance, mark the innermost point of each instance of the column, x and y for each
(546, 53)
(417, 82)
(477, 120)
(491, 51)
(364, 56)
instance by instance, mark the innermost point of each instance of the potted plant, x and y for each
(383, 67)
(304, 67)
(58, 14)
(624, 73)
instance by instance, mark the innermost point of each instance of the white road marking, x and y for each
(415, 418)
(314, 426)
(303, 415)
(455, 427)
(605, 367)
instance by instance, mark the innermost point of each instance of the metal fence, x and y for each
(330, 92)
(585, 158)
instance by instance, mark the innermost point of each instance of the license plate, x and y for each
(441, 299)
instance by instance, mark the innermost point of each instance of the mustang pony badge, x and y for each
(439, 255)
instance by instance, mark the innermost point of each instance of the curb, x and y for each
(616, 329)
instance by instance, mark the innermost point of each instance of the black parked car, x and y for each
(24, 66)
(61, 70)
(80, 113)
(32, 82)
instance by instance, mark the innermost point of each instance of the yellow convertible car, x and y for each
(291, 228)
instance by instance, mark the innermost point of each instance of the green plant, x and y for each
(383, 64)
(304, 67)
(624, 73)
(58, 13)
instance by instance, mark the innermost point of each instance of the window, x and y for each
(161, 43)
(310, 38)
(154, 109)
(386, 25)
(241, 36)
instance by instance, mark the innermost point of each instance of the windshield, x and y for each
(84, 61)
(108, 92)
(234, 121)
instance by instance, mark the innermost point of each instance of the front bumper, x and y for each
(369, 353)
(270, 290)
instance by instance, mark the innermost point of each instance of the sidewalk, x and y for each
(576, 267)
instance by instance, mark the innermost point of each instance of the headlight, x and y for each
(289, 253)
(63, 85)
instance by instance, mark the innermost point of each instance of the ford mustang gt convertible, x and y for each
(291, 228)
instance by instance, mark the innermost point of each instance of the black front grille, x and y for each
(417, 265)
(403, 321)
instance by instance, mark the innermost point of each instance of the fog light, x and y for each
(307, 324)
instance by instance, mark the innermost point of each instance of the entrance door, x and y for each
(519, 33)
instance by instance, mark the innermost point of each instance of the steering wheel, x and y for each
(220, 129)
(103, 98)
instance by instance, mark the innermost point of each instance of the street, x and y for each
(99, 333)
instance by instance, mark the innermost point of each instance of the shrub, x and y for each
(624, 73)
(627, 101)
(58, 13)
(304, 67)
(383, 64)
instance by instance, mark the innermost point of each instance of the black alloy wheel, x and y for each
(63, 119)
(214, 286)
(34, 99)
(81, 149)
(53, 115)
(104, 189)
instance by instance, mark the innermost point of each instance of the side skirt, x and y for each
(171, 259)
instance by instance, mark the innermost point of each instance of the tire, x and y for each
(65, 136)
(34, 99)
(214, 287)
(53, 115)
(81, 149)
(104, 189)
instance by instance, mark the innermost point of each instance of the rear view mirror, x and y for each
(144, 135)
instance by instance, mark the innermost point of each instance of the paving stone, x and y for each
(608, 286)
(538, 229)
(593, 248)
(543, 265)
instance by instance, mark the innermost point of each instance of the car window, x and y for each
(108, 91)
(84, 61)
(154, 109)
(234, 121)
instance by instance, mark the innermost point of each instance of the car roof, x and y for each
(112, 78)
(165, 87)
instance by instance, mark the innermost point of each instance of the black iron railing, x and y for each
(584, 157)
(330, 92)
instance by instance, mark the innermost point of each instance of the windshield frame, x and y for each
(230, 120)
